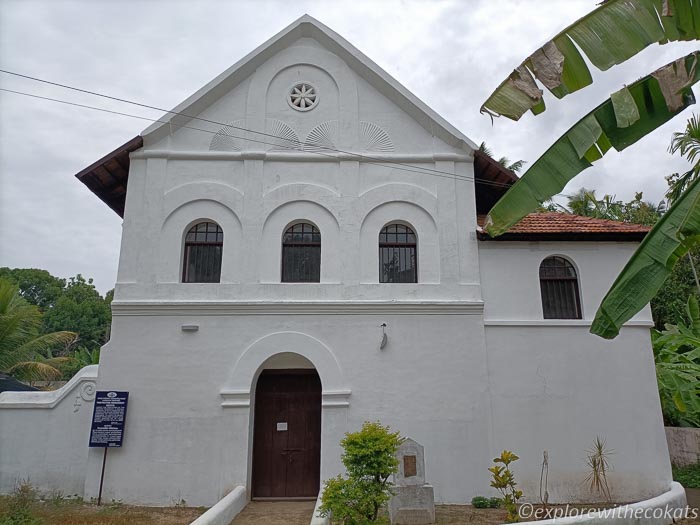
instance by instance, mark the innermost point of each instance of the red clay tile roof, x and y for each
(557, 226)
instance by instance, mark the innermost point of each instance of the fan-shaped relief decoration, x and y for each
(229, 138)
(302, 96)
(323, 137)
(285, 138)
(374, 138)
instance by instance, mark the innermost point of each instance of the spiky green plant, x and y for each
(598, 461)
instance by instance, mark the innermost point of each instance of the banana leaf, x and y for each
(649, 266)
(617, 123)
(609, 35)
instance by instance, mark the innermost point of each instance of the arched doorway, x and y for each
(287, 434)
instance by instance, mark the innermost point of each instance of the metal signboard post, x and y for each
(107, 429)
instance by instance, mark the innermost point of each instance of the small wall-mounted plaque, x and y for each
(409, 466)
(282, 427)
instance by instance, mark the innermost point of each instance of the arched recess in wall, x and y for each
(276, 223)
(243, 376)
(402, 203)
(179, 221)
(331, 65)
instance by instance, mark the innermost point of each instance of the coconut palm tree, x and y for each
(24, 353)
(687, 144)
(503, 161)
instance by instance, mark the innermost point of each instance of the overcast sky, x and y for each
(451, 54)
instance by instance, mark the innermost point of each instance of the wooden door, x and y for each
(287, 434)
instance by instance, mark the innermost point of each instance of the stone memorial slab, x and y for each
(413, 502)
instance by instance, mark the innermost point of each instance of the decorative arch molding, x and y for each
(280, 195)
(397, 192)
(178, 222)
(223, 194)
(276, 222)
(332, 65)
(241, 381)
(420, 221)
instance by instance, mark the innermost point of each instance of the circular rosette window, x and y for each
(303, 96)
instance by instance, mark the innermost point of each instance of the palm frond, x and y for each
(34, 371)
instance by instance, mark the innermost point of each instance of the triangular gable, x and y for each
(307, 26)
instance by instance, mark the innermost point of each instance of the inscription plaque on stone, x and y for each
(409, 466)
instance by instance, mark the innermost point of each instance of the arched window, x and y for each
(559, 287)
(204, 243)
(301, 254)
(397, 255)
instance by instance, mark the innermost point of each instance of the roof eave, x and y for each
(565, 237)
(108, 177)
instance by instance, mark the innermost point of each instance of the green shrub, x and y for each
(688, 476)
(19, 507)
(369, 457)
(480, 502)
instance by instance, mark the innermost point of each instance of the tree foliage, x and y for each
(24, 352)
(669, 304)
(66, 305)
(687, 143)
(677, 357)
(638, 211)
(37, 286)
(83, 310)
(503, 161)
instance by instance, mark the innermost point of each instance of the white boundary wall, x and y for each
(667, 508)
(44, 436)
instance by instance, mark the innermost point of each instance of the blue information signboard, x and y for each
(108, 418)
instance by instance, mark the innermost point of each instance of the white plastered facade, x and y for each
(470, 366)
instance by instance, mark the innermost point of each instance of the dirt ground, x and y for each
(66, 512)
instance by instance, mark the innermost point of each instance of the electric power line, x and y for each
(418, 169)
(403, 167)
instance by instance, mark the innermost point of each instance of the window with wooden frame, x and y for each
(204, 244)
(301, 254)
(398, 261)
(559, 288)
